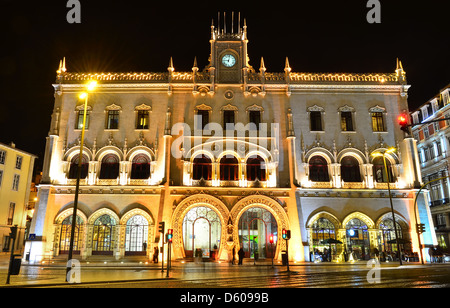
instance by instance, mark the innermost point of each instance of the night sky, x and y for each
(141, 36)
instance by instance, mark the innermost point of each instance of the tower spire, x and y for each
(287, 66)
(171, 68)
(401, 74)
(263, 67)
(195, 64)
(244, 36)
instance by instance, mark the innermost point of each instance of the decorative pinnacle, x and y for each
(171, 68)
(263, 67)
(287, 66)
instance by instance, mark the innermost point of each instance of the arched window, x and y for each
(73, 171)
(103, 235)
(323, 232)
(202, 168)
(136, 236)
(388, 235)
(110, 167)
(322, 229)
(66, 229)
(358, 242)
(318, 169)
(256, 169)
(350, 169)
(229, 169)
(379, 174)
(140, 167)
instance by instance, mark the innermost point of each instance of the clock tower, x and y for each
(229, 59)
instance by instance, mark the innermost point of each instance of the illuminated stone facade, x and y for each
(298, 157)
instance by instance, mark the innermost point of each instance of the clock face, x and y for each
(228, 60)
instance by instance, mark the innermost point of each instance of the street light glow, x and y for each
(92, 85)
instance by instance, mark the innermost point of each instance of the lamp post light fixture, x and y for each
(383, 154)
(84, 95)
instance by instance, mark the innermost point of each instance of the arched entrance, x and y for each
(103, 235)
(66, 229)
(260, 215)
(136, 236)
(358, 242)
(205, 212)
(256, 226)
(201, 232)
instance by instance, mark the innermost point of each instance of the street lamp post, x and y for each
(90, 87)
(383, 154)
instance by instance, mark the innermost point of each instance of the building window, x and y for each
(318, 169)
(377, 122)
(15, 185)
(229, 169)
(103, 235)
(431, 152)
(254, 116)
(12, 208)
(256, 169)
(438, 149)
(142, 119)
(2, 157)
(426, 153)
(19, 162)
(79, 123)
(322, 230)
(136, 235)
(228, 118)
(316, 120)
(110, 167)
(387, 231)
(66, 228)
(140, 167)
(346, 121)
(202, 168)
(358, 242)
(440, 220)
(1, 177)
(202, 118)
(350, 169)
(379, 173)
(73, 171)
(112, 122)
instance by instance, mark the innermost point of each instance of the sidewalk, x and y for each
(98, 271)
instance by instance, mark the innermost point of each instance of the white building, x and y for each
(433, 143)
(298, 157)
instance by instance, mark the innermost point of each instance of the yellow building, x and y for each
(228, 157)
(16, 171)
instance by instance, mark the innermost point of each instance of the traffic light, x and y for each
(286, 234)
(420, 228)
(169, 235)
(403, 122)
(161, 227)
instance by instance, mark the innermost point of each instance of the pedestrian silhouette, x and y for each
(241, 254)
